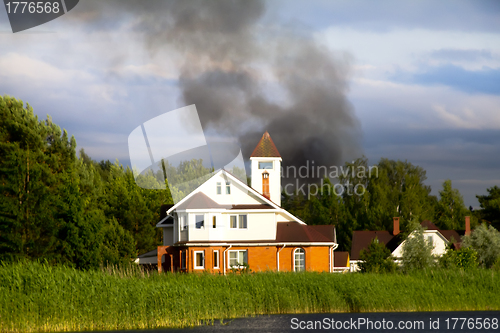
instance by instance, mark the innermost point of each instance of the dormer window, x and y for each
(228, 188)
(266, 165)
(219, 188)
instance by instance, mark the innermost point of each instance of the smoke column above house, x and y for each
(246, 75)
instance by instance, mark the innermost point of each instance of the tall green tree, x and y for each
(450, 210)
(490, 206)
(35, 160)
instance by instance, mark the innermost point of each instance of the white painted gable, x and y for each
(239, 194)
(438, 241)
(215, 206)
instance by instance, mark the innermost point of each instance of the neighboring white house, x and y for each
(440, 240)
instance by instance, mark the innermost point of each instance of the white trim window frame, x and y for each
(199, 258)
(219, 188)
(236, 258)
(216, 256)
(299, 260)
(228, 187)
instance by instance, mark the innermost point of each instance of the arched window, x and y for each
(299, 260)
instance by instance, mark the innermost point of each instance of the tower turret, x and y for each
(266, 169)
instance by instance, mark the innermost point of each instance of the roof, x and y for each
(429, 225)
(163, 210)
(341, 259)
(362, 239)
(295, 232)
(153, 253)
(265, 147)
(166, 221)
(250, 206)
(199, 201)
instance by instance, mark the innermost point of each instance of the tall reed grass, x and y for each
(37, 297)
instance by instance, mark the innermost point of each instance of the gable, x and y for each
(240, 194)
(439, 242)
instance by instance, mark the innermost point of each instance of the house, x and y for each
(341, 262)
(440, 239)
(226, 224)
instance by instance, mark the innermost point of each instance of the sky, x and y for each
(333, 80)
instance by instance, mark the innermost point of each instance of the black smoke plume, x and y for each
(247, 74)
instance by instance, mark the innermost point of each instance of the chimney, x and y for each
(396, 226)
(467, 225)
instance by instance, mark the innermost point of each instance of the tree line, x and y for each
(396, 190)
(61, 206)
(66, 209)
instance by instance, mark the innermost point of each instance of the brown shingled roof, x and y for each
(341, 259)
(265, 147)
(252, 206)
(295, 232)
(199, 201)
(362, 239)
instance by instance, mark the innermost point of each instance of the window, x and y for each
(237, 258)
(299, 260)
(214, 222)
(200, 221)
(216, 258)
(183, 222)
(199, 260)
(228, 188)
(265, 165)
(219, 188)
(242, 221)
(183, 260)
(430, 240)
(233, 222)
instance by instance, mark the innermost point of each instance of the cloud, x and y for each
(19, 66)
(386, 105)
(387, 15)
(485, 81)
(460, 54)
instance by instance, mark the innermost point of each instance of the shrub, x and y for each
(465, 258)
(376, 259)
(486, 242)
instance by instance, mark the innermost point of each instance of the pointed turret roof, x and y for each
(265, 147)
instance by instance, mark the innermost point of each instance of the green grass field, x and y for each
(36, 297)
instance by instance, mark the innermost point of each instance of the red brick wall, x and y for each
(260, 258)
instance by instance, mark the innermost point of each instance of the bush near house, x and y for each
(465, 258)
(376, 259)
(485, 240)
